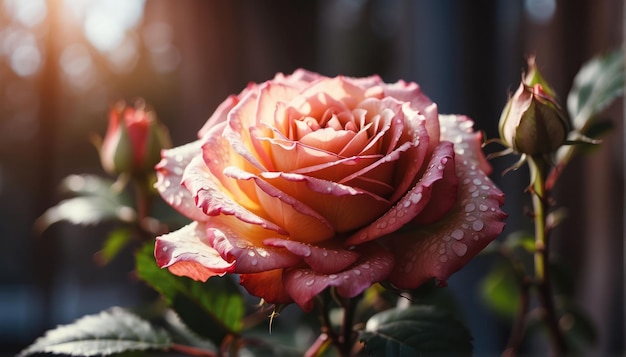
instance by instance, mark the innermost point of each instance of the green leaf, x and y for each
(84, 210)
(212, 309)
(117, 240)
(93, 201)
(86, 185)
(419, 330)
(500, 291)
(112, 331)
(597, 84)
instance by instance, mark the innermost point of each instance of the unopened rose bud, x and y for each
(532, 121)
(133, 141)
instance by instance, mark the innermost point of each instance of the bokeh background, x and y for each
(63, 62)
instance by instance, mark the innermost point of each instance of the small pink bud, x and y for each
(532, 122)
(133, 141)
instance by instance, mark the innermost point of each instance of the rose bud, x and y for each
(306, 182)
(133, 141)
(532, 121)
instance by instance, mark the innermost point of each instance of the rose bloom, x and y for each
(306, 182)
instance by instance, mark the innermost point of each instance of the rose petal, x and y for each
(243, 243)
(467, 142)
(373, 266)
(412, 93)
(217, 155)
(351, 207)
(213, 200)
(413, 202)
(442, 248)
(185, 252)
(169, 177)
(267, 285)
(323, 260)
(301, 221)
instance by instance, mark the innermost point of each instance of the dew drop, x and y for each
(307, 252)
(483, 207)
(251, 253)
(165, 249)
(443, 258)
(254, 262)
(365, 266)
(357, 272)
(346, 277)
(470, 207)
(457, 234)
(325, 253)
(477, 181)
(459, 248)
(310, 282)
(478, 225)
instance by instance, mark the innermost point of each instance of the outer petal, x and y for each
(169, 177)
(242, 244)
(186, 252)
(458, 129)
(324, 260)
(213, 201)
(442, 248)
(303, 284)
(267, 285)
(414, 201)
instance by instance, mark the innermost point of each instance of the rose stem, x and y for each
(327, 328)
(349, 307)
(537, 167)
(191, 351)
(517, 332)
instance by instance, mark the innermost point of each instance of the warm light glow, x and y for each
(28, 12)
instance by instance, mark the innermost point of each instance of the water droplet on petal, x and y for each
(297, 274)
(470, 207)
(478, 225)
(457, 234)
(254, 261)
(357, 272)
(459, 248)
(310, 282)
(332, 276)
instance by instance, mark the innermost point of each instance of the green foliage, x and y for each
(94, 201)
(117, 240)
(213, 309)
(597, 84)
(500, 290)
(112, 331)
(418, 330)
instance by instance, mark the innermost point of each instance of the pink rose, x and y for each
(133, 141)
(304, 182)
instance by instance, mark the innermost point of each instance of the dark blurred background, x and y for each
(63, 62)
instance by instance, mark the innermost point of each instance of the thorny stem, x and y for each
(537, 176)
